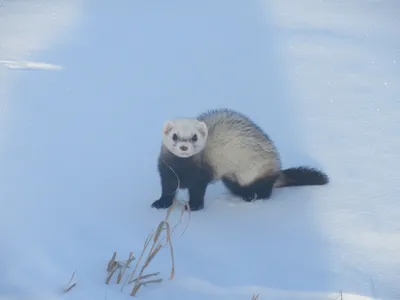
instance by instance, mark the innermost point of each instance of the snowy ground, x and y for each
(80, 133)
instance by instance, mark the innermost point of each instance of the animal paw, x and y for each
(161, 204)
(194, 207)
(250, 197)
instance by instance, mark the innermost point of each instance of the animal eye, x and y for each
(175, 137)
(194, 138)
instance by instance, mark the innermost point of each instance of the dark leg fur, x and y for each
(260, 189)
(169, 187)
(190, 176)
(304, 176)
(196, 195)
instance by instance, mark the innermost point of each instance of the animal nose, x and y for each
(184, 148)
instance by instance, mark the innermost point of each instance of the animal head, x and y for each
(185, 137)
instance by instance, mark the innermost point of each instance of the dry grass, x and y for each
(340, 297)
(70, 284)
(157, 242)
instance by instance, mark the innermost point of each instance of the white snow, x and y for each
(29, 65)
(79, 146)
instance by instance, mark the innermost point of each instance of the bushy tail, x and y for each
(301, 176)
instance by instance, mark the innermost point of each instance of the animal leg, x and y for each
(169, 184)
(196, 195)
(259, 189)
(236, 189)
(262, 188)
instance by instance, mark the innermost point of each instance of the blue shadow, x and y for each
(93, 131)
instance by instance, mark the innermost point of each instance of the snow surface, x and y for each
(79, 146)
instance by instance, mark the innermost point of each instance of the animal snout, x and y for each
(184, 148)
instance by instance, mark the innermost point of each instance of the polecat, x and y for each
(225, 145)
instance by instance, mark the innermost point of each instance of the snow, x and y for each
(29, 65)
(79, 146)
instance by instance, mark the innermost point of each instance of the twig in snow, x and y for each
(340, 296)
(157, 242)
(69, 285)
(255, 297)
(114, 265)
(144, 276)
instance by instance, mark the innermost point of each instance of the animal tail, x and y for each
(301, 176)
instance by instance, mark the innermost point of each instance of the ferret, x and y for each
(223, 144)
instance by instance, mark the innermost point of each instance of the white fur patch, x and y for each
(184, 137)
(233, 145)
(237, 149)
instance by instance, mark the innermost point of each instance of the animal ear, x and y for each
(168, 125)
(202, 128)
